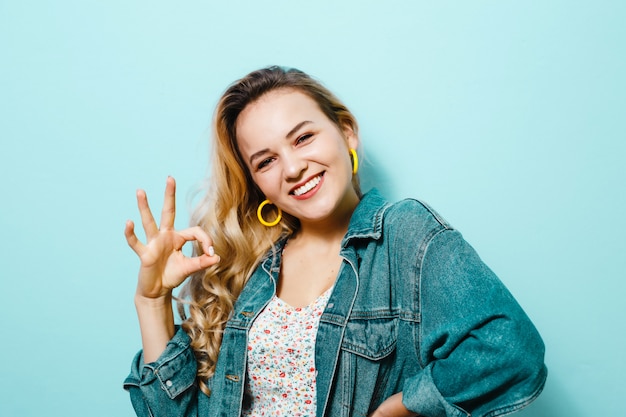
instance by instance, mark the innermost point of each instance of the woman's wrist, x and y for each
(156, 321)
(163, 301)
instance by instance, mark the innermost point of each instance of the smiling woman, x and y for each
(344, 304)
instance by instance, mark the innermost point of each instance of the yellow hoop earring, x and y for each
(264, 222)
(355, 161)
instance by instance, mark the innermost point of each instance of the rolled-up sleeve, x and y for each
(479, 351)
(166, 387)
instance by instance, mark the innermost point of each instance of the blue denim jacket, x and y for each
(414, 309)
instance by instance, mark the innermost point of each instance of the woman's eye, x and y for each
(264, 163)
(303, 138)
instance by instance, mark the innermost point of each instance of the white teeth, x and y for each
(308, 186)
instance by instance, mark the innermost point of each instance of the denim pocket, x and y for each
(373, 339)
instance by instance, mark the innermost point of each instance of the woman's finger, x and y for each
(198, 234)
(168, 214)
(147, 220)
(131, 238)
(198, 263)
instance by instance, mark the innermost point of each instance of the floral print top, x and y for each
(281, 359)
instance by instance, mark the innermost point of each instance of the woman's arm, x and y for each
(163, 375)
(479, 350)
(163, 268)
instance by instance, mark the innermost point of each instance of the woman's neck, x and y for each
(327, 231)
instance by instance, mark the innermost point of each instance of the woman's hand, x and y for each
(393, 407)
(163, 264)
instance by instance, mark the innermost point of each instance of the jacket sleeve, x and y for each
(480, 353)
(166, 387)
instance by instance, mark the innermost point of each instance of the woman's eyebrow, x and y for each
(257, 155)
(297, 127)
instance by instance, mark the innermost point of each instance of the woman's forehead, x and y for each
(276, 113)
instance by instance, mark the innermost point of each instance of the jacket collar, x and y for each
(367, 219)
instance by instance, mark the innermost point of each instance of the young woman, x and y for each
(307, 298)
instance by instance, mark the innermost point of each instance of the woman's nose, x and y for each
(293, 165)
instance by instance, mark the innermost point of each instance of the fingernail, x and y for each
(211, 251)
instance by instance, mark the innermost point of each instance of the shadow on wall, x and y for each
(552, 402)
(371, 176)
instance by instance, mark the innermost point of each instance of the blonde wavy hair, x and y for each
(228, 212)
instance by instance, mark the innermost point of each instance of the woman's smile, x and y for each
(309, 188)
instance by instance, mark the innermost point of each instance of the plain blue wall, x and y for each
(507, 117)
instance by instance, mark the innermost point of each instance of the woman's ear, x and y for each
(351, 137)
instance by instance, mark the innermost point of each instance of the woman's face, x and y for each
(297, 156)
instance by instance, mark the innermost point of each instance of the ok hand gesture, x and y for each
(163, 264)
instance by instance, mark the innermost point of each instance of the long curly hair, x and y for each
(228, 212)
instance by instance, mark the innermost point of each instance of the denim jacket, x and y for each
(414, 309)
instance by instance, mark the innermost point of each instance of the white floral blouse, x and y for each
(281, 359)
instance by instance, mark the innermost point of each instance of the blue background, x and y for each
(507, 117)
